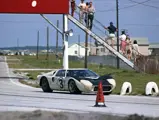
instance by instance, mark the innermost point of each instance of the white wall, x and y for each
(80, 50)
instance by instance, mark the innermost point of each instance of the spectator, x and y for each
(86, 13)
(73, 7)
(122, 38)
(82, 6)
(129, 47)
(91, 11)
(112, 29)
(135, 50)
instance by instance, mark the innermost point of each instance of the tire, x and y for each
(73, 88)
(45, 85)
(107, 93)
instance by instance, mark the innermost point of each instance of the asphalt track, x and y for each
(15, 96)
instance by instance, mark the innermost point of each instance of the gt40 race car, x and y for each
(75, 81)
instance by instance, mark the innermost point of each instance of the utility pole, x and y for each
(47, 55)
(37, 54)
(117, 22)
(91, 45)
(86, 50)
(18, 46)
(78, 45)
(57, 37)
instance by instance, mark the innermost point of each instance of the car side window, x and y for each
(61, 73)
(69, 73)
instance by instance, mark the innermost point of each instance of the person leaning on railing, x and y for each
(86, 13)
(135, 50)
(81, 6)
(128, 47)
(91, 11)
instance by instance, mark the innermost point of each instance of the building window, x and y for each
(76, 52)
(102, 49)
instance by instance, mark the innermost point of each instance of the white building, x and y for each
(77, 50)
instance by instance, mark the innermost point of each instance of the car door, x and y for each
(59, 80)
(52, 82)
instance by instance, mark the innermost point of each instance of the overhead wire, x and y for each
(145, 4)
(138, 3)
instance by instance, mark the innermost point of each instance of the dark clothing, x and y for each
(86, 19)
(73, 7)
(112, 29)
(90, 20)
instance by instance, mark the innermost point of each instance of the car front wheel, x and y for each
(45, 85)
(107, 93)
(73, 88)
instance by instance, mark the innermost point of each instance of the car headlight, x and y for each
(112, 82)
(87, 84)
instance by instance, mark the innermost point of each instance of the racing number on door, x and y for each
(61, 83)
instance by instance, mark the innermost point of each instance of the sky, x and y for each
(140, 21)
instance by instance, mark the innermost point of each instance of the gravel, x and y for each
(44, 115)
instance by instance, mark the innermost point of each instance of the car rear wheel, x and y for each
(73, 88)
(45, 85)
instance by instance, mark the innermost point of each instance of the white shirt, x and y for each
(135, 47)
(122, 37)
(82, 6)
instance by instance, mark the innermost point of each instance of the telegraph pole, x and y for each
(117, 22)
(47, 55)
(57, 37)
(37, 54)
(78, 45)
(86, 50)
(18, 46)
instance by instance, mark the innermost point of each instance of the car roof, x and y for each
(74, 69)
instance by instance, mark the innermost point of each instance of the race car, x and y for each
(75, 81)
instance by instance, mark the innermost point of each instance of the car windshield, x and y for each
(82, 73)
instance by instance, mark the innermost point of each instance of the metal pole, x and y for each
(17, 45)
(65, 38)
(86, 50)
(37, 54)
(57, 37)
(51, 24)
(117, 22)
(47, 43)
(78, 45)
(91, 45)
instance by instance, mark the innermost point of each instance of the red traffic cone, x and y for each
(100, 97)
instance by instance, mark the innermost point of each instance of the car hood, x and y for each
(96, 80)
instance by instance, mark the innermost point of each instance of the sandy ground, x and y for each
(43, 115)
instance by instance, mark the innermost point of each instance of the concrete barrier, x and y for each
(126, 88)
(151, 89)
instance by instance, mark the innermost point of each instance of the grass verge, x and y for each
(138, 80)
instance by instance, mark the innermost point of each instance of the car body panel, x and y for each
(59, 80)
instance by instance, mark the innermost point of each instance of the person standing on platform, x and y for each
(82, 6)
(73, 7)
(91, 11)
(111, 29)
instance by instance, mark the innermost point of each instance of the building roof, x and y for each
(153, 45)
(141, 41)
(81, 44)
(75, 44)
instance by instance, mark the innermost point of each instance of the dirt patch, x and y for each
(43, 115)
